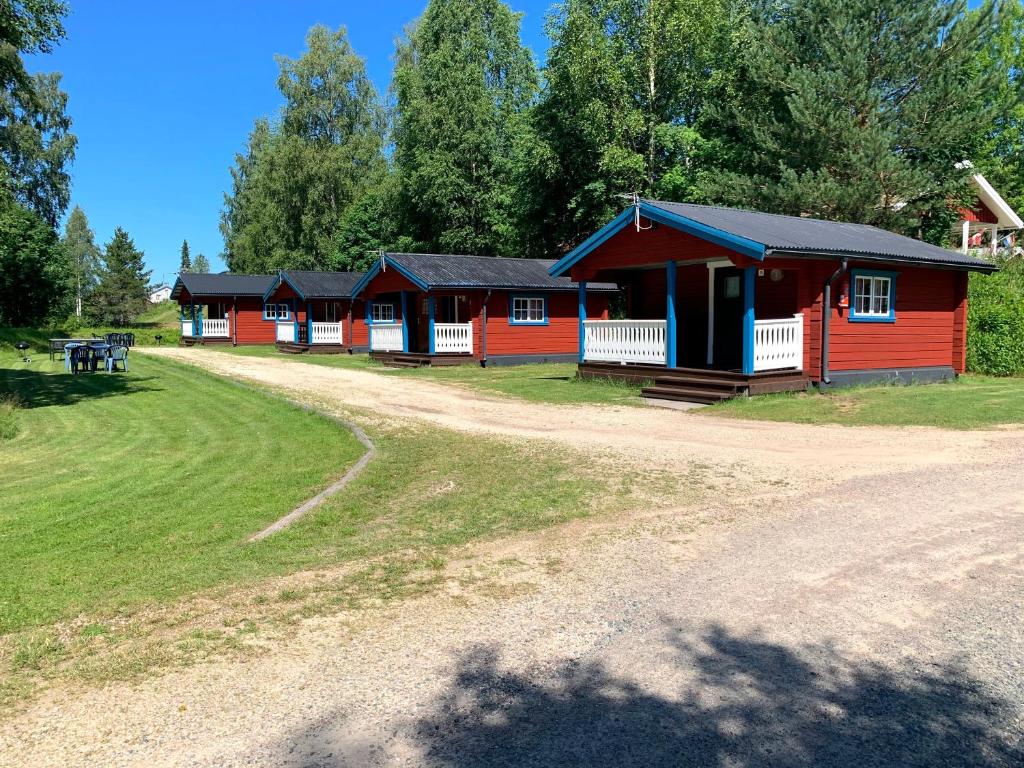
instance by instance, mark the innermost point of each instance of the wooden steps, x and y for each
(696, 385)
(420, 360)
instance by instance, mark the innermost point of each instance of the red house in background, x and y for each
(222, 309)
(725, 302)
(429, 309)
(315, 312)
(990, 222)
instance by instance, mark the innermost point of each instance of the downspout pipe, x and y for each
(826, 317)
(483, 330)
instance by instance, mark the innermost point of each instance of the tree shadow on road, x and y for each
(720, 700)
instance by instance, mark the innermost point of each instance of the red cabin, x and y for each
(315, 312)
(222, 309)
(428, 309)
(724, 302)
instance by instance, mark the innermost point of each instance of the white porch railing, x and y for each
(326, 333)
(215, 328)
(186, 328)
(386, 337)
(624, 341)
(451, 338)
(286, 332)
(779, 344)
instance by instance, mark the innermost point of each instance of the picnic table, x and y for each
(57, 345)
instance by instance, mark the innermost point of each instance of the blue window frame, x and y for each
(276, 311)
(872, 296)
(527, 309)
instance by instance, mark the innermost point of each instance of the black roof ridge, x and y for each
(777, 215)
(464, 256)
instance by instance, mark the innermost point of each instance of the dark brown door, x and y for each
(728, 346)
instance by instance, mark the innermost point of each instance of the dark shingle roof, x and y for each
(226, 284)
(322, 285)
(454, 271)
(795, 234)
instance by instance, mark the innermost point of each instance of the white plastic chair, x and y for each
(117, 355)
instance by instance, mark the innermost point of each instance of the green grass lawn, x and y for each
(126, 492)
(145, 336)
(540, 382)
(971, 402)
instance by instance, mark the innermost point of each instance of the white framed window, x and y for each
(874, 296)
(276, 312)
(382, 313)
(529, 310)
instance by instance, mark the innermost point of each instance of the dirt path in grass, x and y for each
(770, 452)
(874, 623)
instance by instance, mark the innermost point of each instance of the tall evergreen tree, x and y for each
(122, 292)
(202, 264)
(84, 255)
(626, 83)
(462, 83)
(186, 259)
(294, 183)
(34, 268)
(857, 110)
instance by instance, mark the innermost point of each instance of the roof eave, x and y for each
(976, 266)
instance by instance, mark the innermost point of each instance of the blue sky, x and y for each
(163, 94)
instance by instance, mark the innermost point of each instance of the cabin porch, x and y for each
(701, 330)
(316, 327)
(417, 329)
(207, 323)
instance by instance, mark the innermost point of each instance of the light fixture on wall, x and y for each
(775, 275)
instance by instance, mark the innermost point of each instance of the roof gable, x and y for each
(755, 234)
(309, 284)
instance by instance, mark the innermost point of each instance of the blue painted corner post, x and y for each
(748, 319)
(295, 321)
(405, 323)
(670, 315)
(583, 318)
(368, 307)
(199, 321)
(309, 322)
(430, 316)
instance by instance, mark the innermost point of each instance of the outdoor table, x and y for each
(57, 345)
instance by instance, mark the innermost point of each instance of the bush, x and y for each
(995, 321)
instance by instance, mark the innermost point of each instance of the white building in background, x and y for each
(160, 293)
(990, 223)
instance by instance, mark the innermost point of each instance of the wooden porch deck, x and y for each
(696, 385)
(301, 348)
(421, 359)
(191, 341)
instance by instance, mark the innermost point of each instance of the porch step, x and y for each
(290, 349)
(687, 395)
(713, 383)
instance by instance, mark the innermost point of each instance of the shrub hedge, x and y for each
(995, 321)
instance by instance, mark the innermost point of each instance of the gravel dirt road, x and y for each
(871, 615)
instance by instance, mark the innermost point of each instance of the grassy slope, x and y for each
(542, 382)
(163, 315)
(971, 402)
(39, 337)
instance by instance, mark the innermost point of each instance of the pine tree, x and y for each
(122, 293)
(186, 260)
(202, 264)
(84, 255)
(857, 110)
(462, 83)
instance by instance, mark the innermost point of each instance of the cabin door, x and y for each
(728, 323)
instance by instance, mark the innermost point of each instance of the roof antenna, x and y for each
(379, 253)
(634, 198)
